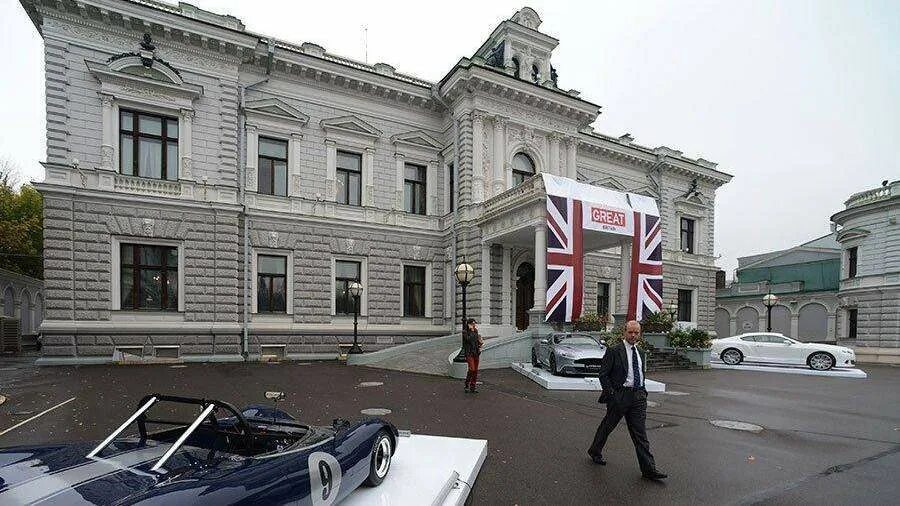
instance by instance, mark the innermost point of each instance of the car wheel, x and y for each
(732, 356)
(381, 459)
(820, 361)
(553, 370)
(534, 359)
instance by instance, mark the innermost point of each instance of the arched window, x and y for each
(516, 67)
(9, 308)
(535, 74)
(522, 167)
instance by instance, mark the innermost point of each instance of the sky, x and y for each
(798, 100)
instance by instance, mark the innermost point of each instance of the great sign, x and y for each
(607, 217)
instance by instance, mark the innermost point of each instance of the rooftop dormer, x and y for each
(520, 49)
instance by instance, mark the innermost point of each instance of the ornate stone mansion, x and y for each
(210, 192)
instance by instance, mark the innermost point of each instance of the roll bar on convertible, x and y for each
(208, 407)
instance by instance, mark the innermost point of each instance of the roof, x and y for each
(820, 248)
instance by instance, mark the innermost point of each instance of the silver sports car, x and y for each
(562, 353)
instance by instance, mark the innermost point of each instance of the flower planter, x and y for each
(699, 356)
(655, 340)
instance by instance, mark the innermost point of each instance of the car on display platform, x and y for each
(774, 348)
(259, 455)
(568, 353)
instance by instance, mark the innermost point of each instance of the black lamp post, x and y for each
(464, 274)
(355, 290)
(769, 300)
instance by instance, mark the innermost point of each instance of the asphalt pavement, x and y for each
(825, 440)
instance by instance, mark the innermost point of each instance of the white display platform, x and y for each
(427, 470)
(792, 369)
(551, 382)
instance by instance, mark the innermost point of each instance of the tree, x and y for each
(21, 225)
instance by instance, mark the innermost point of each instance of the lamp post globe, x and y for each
(355, 290)
(769, 300)
(464, 275)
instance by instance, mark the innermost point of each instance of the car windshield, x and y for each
(579, 341)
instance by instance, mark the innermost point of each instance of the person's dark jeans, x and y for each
(472, 374)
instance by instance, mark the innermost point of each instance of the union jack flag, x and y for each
(565, 259)
(646, 267)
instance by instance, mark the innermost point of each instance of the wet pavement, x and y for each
(824, 440)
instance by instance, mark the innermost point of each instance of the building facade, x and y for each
(869, 293)
(211, 192)
(23, 298)
(805, 280)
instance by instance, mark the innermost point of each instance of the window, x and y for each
(516, 67)
(687, 235)
(851, 262)
(349, 178)
(271, 284)
(451, 186)
(148, 145)
(750, 339)
(414, 189)
(685, 301)
(535, 74)
(851, 323)
(345, 272)
(602, 298)
(413, 291)
(272, 166)
(149, 277)
(522, 167)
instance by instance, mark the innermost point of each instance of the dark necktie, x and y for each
(636, 371)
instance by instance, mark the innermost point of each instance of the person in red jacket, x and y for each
(472, 343)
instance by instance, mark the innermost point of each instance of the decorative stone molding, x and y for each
(147, 227)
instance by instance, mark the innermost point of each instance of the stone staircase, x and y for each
(667, 361)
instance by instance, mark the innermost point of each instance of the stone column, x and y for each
(485, 271)
(832, 326)
(499, 157)
(540, 267)
(185, 134)
(795, 325)
(477, 157)
(294, 169)
(553, 166)
(252, 158)
(400, 167)
(571, 170)
(506, 288)
(330, 171)
(368, 176)
(732, 326)
(107, 153)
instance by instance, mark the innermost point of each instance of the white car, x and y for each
(778, 349)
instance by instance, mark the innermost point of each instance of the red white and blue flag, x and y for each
(574, 207)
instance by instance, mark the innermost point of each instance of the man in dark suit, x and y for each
(622, 380)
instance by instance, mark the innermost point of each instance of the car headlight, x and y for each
(566, 355)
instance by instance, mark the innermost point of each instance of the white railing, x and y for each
(876, 195)
(146, 186)
(530, 188)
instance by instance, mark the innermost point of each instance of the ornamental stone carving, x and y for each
(273, 239)
(106, 156)
(147, 226)
(186, 172)
(417, 252)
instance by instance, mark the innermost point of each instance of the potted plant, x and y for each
(693, 344)
(656, 326)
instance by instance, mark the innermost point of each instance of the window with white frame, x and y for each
(685, 305)
(348, 177)
(687, 228)
(414, 188)
(345, 272)
(148, 277)
(272, 166)
(148, 145)
(414, 291)
(271, 284)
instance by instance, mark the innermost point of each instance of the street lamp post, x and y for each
(464, 274)
(769, 300)
(355, 290)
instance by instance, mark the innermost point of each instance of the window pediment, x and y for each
(695, 203)
(350, 125)
(851, 234)
(611, 183)
(275, 109)
(418, 139)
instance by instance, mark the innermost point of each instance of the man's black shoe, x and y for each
(655, 475)
(598, 459)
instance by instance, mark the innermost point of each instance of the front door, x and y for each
(524, 294)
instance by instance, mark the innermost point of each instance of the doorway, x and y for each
(524, 294)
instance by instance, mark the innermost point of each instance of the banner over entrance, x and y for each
(574, 207)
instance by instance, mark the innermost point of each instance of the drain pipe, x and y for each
(435, 92)
(242, 186)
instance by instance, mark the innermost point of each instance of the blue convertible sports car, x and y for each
(260, 455)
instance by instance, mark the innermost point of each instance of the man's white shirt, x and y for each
(629, 378)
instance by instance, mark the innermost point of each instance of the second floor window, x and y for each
(685, 305)
(687, 235)
(522, 168)
(414, 189)
(413, 291)
(345, 272)
(602, 298)
(149, 277)
(272, 166)
(271, 284)
(349, 178)
(851, 261)
(148, 145)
